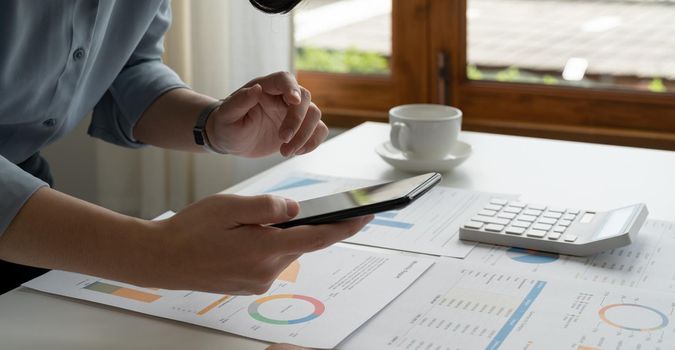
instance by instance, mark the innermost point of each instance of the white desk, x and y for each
(552, 172)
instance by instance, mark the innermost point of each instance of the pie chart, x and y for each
(633, 317)
(286, 309)
(529, 256)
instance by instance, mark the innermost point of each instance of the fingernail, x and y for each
(296, 93)
(287, 134)
(300, 151)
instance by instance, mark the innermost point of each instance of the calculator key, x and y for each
(494, 227)
(570, 238)
(493, 207)
(504, 215)
(485, 212)
(532, 212)
(552, 215)
(547, 221)
(489, 220)
(514, 210)
(528, 218)
(559, 229)
(564, 223)
(520, 205)
(536, 233)
(498, 201)
(554, 235)
(557, 210)
(523, 224)
(569, 216)
(543, 227)
(474, 225)
(537, 207)
(573, 211)
(512, 230)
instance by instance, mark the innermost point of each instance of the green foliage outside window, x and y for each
(334, 61)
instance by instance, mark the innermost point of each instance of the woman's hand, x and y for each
(269, 114)
(221, 244)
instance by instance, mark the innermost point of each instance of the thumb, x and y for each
(265, 209)
(240, 102)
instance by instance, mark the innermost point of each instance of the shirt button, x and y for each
(78, 54)
(49, 122)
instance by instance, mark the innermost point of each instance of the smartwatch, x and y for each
(199, 130)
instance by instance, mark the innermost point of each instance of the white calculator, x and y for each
(558, 230)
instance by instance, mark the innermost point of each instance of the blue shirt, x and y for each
(60, 60)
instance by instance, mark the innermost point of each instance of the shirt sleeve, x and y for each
(142, 80)
(16, 186)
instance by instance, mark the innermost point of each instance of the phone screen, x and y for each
(344, 201)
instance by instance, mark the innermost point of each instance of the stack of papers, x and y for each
(473, 297)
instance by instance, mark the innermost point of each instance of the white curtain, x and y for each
(215, 46)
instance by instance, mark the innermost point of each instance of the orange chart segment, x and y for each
(123, 292)
(290, 274)
(213, 304)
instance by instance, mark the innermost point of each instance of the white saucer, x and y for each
(458, 154)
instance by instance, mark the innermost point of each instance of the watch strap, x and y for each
(199, 131)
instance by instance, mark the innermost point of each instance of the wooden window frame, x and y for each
(428, 65)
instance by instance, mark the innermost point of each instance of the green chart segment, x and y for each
(253, 309)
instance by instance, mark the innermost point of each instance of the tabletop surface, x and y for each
(560, 173)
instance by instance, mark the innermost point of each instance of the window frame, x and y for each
(428, 65)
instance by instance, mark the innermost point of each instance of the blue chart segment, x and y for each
(510, 324)
(528, 256)
(385, 219)
(294, 182)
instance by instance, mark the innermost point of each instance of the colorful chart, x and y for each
(294, 182)
(253, 309)
(211, 306)
(382, 219)
(633, 317)
(290, 273)
(528, 256)
(123, 292)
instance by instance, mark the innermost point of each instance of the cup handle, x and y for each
(399, 136)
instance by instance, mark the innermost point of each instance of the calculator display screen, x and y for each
(616, 222)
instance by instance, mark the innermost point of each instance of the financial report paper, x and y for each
(460, 305)
(316, 302)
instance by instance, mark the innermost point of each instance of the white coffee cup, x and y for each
(424, 131)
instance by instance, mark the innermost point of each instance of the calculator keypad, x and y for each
(521, 219)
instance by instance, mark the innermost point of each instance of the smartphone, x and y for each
(362, 201)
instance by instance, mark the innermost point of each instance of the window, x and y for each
(598, 71)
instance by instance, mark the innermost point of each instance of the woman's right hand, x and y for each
(221, 244)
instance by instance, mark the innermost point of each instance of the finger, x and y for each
(264, 209)
(240, 102)
(309, 124)
(320, 134)
(281, 83)
(294, 117)
(306, 130)
(308, 238)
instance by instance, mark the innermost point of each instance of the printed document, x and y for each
(316, 302)
(460, 305)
